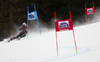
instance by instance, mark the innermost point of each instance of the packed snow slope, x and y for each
(42, 48)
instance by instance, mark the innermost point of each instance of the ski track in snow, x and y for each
(66, 57)
(81, 49)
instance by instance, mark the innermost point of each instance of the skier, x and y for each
(23, 32)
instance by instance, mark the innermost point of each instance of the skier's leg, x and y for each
(12, 39)
(24, 34)
(15, 37)
(20, 36)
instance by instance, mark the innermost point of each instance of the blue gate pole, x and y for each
(34, 7)
(27, 18)
(37, 20)
(39, 26)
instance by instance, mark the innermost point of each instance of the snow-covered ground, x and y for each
(42, 48)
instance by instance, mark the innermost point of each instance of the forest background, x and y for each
(14, 12)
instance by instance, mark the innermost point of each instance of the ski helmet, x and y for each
(24, 24)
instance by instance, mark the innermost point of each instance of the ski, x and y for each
(8, 40)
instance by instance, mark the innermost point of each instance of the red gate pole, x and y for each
(56, 44)
(74, 41)
(85, 13)
(55, 16)
(93, 4)
(95, 12)
(86, 18)
(96, 17)
(70, 15)
(56, 33)
(73, 32)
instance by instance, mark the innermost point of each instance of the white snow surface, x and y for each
(42, 48)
